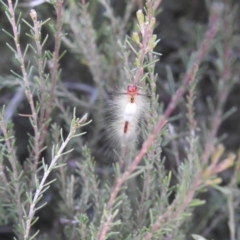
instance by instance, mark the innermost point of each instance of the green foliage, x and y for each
(134, 192)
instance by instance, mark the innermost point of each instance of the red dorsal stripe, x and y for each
(125, 129)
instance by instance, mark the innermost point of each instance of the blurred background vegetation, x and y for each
(180, 26)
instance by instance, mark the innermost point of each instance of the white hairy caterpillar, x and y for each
(128, 108)
(125, 110)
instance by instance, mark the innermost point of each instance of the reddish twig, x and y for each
(213, 26)
(102, 234)
(28, 92)
(37, 37)
(46, 110)
(224, 89)
(151, 137)
(148, 143)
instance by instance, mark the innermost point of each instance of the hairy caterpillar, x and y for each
(128, 108)
(125, 110)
